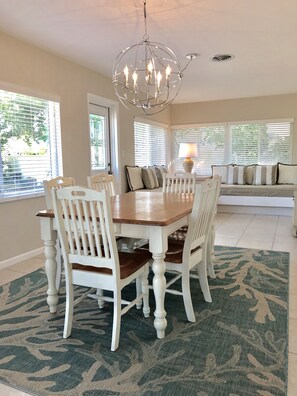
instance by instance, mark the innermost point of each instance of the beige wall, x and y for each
(35, 70)
(260, 108)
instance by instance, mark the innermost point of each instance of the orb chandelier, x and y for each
(148, 75)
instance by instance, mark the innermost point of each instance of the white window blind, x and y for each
(150, 144)
(210, 142)
(259, 142)
(30, 144)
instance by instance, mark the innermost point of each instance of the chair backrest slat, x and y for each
(179, 183)
(102, 181)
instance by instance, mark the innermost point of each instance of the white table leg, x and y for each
(159, 284)
(51, 271)
(49, 236)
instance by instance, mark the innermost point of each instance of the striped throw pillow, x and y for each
(236, 174)
(160, 172)
(149, 178)
(265, 174)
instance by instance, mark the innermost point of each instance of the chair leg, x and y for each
(59, 265)
(68, 312)
(145, 291)
(186, 290)
(116, 327)
(210, 253)
(99, 293)
(138, 292)
(202, 274)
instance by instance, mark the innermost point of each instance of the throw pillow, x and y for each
(149, 177)
(287, 174)
(220, 170)
(160, 172)
(236, 174)
(134, 177)
(265, 174)
(250, 169)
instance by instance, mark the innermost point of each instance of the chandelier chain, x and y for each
(146, 36)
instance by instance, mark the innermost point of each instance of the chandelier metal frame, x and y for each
(147, 75)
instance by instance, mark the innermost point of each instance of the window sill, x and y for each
(21, 197)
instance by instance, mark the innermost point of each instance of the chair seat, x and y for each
(174, 253)
(129, 263)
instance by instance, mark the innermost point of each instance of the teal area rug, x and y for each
(238, 346)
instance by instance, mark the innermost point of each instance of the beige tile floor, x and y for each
(241, 230)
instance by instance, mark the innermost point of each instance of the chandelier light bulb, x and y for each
(126, 73)
(159, 78)
(134, 77)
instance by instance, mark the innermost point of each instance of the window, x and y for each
(261, 142)
(99, 138)
(210, 144)
(30, 145)
(151, 142)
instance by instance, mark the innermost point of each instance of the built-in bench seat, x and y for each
(277, 197)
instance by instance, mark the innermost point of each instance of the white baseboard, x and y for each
(275, 202)
(260, 210)
(21, 257)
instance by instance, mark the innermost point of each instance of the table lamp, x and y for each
(188, 151)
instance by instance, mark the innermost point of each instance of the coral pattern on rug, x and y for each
(238, 345)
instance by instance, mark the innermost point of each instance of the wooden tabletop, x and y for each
(146, 207)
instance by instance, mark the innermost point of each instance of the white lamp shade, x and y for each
(188, 150)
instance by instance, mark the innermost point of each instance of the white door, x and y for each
(99, 138)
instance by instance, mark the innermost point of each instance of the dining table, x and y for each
(139, 214)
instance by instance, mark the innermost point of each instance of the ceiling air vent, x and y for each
(222, 57)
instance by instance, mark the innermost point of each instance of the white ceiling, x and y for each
(261, 34)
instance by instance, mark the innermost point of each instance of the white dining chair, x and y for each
(211, 236)
(179, 182)
(90, 254)
(182, 182)
(180, 234)
(183, 256)
(57, 182)
(104, 181)
(100, 182)
(191, 252)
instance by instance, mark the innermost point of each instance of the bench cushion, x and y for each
(277, 190)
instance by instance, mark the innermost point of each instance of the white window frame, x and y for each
(55, 142)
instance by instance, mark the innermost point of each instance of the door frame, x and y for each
(113, 108)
